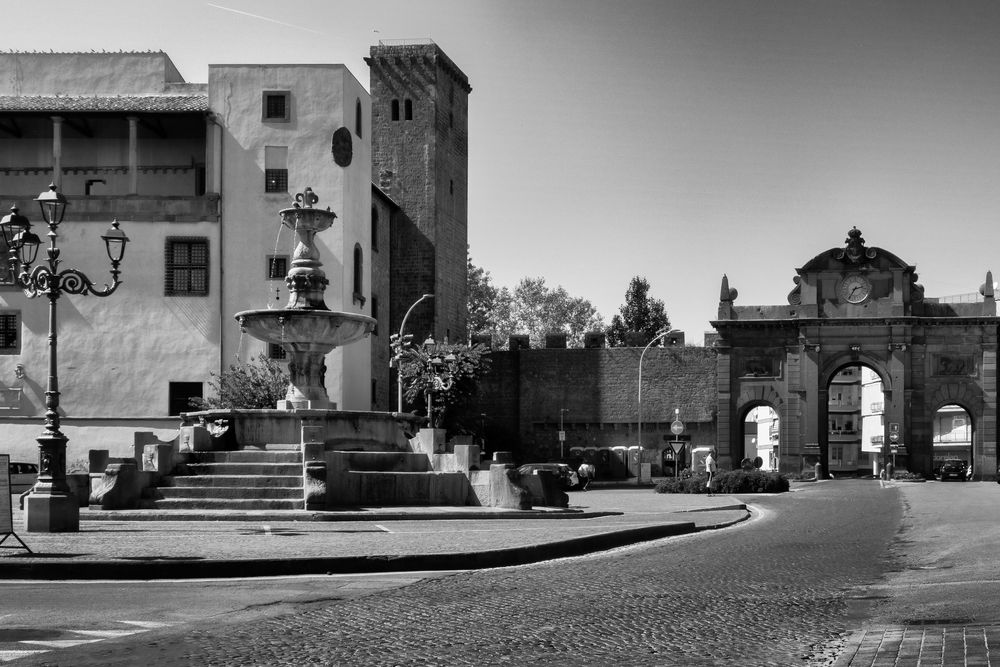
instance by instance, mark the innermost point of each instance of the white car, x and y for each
(22, 476)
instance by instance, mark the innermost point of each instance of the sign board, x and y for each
(894, 432)
(677, 427)
(677, 446)
(6, 511)
(562, 436)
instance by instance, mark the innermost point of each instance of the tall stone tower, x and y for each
(420, 159)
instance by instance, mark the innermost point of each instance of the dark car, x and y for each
(953, 469)
(561, 470)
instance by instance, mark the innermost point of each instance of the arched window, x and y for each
(374, 229)
(357, 117)
(408, 107)
(395, 109)
(358, 275)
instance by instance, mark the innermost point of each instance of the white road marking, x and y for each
(58, 643)
(382, 528)
(7, 655)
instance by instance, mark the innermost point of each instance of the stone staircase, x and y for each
(268, 478)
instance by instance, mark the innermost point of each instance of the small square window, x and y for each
(277, 267)
(10, 332)
(276, 106)
(275, 180)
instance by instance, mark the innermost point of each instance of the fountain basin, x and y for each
(306, 335)
(298, 327)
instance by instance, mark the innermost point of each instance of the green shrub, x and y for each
(906, 474)
(730, 482)
(259, 383)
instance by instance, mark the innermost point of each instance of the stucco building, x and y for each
(196, 173)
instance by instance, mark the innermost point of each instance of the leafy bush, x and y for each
(730, 482)
(260, 383)
(906, 474)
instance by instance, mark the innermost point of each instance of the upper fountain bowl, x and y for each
(293, 326)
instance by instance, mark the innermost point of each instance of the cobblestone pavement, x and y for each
(773, 591)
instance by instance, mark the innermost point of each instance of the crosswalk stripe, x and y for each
(8, 655)
(58, 643)
(105, 633)
(146, 624)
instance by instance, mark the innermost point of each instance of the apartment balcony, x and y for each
(878, 440)
(844, 435)
(877, 408)
(844, 406)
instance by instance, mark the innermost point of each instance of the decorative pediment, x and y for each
(854, 254)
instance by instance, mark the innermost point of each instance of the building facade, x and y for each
(196, 174)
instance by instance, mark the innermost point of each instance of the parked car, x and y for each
(22, 476)
(953, 469)
(562, 470)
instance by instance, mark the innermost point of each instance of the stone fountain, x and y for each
(305, 454)
(305, 327)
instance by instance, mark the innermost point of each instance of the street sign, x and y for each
(677, 427)
(562, 436)
(677, 446)
(894, 432)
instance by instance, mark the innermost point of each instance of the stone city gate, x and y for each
(858, 305)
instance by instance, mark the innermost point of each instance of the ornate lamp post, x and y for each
(50, 507)
(442, 369)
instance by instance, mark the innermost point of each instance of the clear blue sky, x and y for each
(678, 140)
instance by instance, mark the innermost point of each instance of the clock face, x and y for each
(855, 289)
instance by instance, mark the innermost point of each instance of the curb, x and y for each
(194, 568)
(350, 515)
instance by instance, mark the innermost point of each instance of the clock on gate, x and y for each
(855, 288)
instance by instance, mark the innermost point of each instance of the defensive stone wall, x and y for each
(593, 395)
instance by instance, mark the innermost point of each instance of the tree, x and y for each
(537, 309)
(259, 383)
(449, 372)
(640, 316)
(484, 299)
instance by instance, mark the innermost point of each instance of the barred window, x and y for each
(275, 180)
(275, 106)
(277, 267)
(10, 328)
(186, 267)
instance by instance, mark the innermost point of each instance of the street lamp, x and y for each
(398, 344)
(443, 371)
(638, 463)
(50, 507)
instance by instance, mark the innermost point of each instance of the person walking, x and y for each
(710, 468)
(586, 473)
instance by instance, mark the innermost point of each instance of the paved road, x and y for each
(773, 591)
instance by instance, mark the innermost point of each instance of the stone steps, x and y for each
(245, 481)
(230, 492)
(268, 478)
(244, 505)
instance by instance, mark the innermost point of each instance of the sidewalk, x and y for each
(145, 545)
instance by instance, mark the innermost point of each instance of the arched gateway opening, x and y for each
(860, 369)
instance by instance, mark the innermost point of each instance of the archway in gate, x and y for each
(856, 427)
(762, 437)
(860, 307)
(953, 435)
